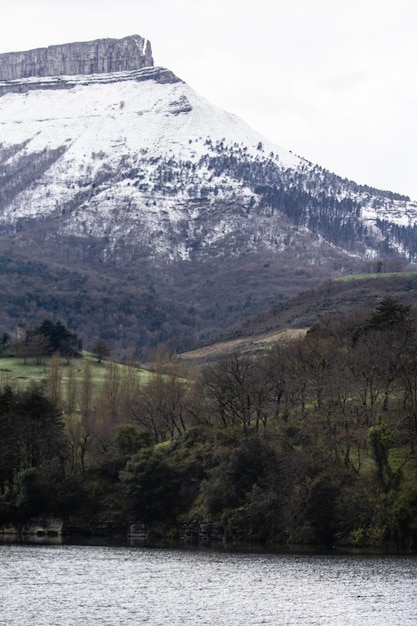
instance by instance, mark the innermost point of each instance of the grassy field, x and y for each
(376, 275)
(20, 372)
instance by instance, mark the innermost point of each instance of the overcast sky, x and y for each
(334, 82)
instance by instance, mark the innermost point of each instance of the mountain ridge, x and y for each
(82, 58)
(136, 177)
(23, 85)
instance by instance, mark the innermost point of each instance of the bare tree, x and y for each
(161, 403)
(101, 349)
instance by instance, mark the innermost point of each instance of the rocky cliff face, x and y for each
(91, 57)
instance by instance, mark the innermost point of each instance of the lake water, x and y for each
(67, 585)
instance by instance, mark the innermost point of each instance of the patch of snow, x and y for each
(112, 125)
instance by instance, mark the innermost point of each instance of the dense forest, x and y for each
(313, 442)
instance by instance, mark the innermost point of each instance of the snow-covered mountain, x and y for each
(133, 171)
(124, 156)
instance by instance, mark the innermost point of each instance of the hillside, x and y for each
(292, 318)
(313, 443)
(133, 209)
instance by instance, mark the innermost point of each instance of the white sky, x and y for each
(334, 82)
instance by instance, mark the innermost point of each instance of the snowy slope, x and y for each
(136, 112)
(126, 157)
(101, 123)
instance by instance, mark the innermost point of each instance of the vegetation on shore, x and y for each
(312, 442)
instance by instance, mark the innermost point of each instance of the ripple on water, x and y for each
(84, 586)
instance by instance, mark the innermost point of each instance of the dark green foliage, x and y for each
(151, 485)
(33, 454)
(244, 492)
(9, 451)
(380, 441)
(402, 517)
(258, 522)
(129, 440)
(34, 494)
(32, 443)
(72, 496)
(38, 429)
(252, 463)
(320, 510)
(388, 314)
(59, 339)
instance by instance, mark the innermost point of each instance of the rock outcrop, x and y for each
(91, 57)
(23, 85)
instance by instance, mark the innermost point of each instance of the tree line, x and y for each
(312, 442)
(46, 339)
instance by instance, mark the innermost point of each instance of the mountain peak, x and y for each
(83, 58)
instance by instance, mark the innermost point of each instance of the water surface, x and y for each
(64, 585)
